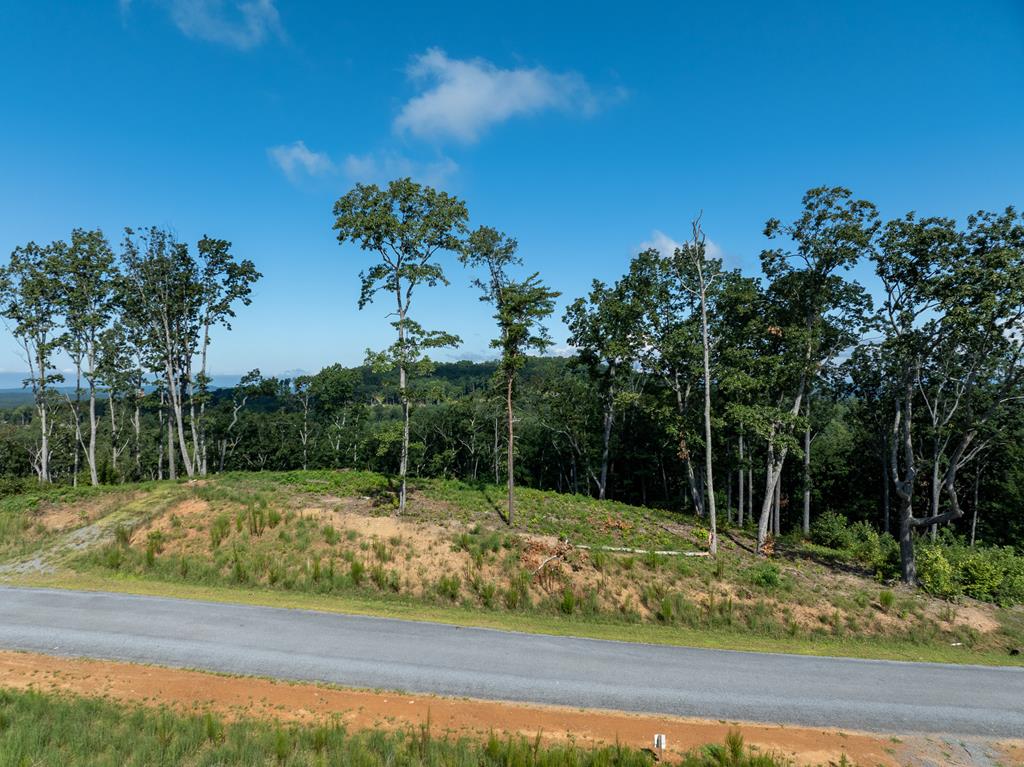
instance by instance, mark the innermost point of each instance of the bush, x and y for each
(568, 602)
(886, 599)
(935, 573)
(830, 529)
(219, 529)
(977, 572)
(989, 574)
(865, 543)
(766, 575)
(449, 586)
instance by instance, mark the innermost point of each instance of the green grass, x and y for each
(255, 546)
(50, 731)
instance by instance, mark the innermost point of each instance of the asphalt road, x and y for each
(384, 653)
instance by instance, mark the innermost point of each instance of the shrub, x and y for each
(567, 604)
(766, 575)
(830, 529)
(886, 599)
(977, 572)
(219, 529)
(357, 571)
(123, 535)
(864, 542)
(449, 586)
(935, 573)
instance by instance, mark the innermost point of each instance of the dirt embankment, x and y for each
(239, 697)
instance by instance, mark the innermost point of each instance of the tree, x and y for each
(705, 274)
(521, 306)
(223, 283)
(87, 275)
(816, 313)
(604, 329)
(161, 294)
(406, 225)
(31, 299)
(952, 316)
(175, 300)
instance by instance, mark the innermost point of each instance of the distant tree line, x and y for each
(755, 401)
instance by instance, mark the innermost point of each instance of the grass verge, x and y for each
(45, 730)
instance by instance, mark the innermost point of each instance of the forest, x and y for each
(795, 400)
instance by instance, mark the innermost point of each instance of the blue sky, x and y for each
(585, 130)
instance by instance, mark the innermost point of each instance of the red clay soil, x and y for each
(247, 697)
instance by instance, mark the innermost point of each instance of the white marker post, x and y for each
(659, 743)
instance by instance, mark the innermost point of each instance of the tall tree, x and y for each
(521, 307)
(954, 339)
(161, 293)
(31, 299)
(705, 273)
(604, 329)
(816, 310)
(223, 283)
(87, 272)
(406, 225)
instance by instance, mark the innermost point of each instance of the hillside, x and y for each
(571, 564)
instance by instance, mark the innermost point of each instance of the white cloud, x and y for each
(667, 246)
(241, 24)
(298, 159)
(384, 166)
(463, 98)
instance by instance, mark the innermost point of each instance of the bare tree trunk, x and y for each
(137, 428)
(609, 418)
(974, 514)
(44, 445)
(511, 452)
(172, 469)
(404, 463)
(91, 454)
(750, 493)
(908, 565)
(739, 516)
(936, 490)
(807, 470)
(777, 511)
(496, 477)
(710, 479)
(770, 479)
(886, 503)
(728, 497)
(160, 441)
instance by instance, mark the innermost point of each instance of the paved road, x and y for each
(435, 658)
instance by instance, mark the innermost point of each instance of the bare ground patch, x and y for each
(242, 697)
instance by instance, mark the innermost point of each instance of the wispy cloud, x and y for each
(665, 245)
(463, 98)
(241, 24)
(296, 160)
(383, 166)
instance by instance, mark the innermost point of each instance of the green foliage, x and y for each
(40, 729)
(219, 529)
(449, 587)
(830, 529)
(886, 599)
(567, 603)
(766, 575)
(935, 573)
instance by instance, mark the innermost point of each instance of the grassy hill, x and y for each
(571, 564)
